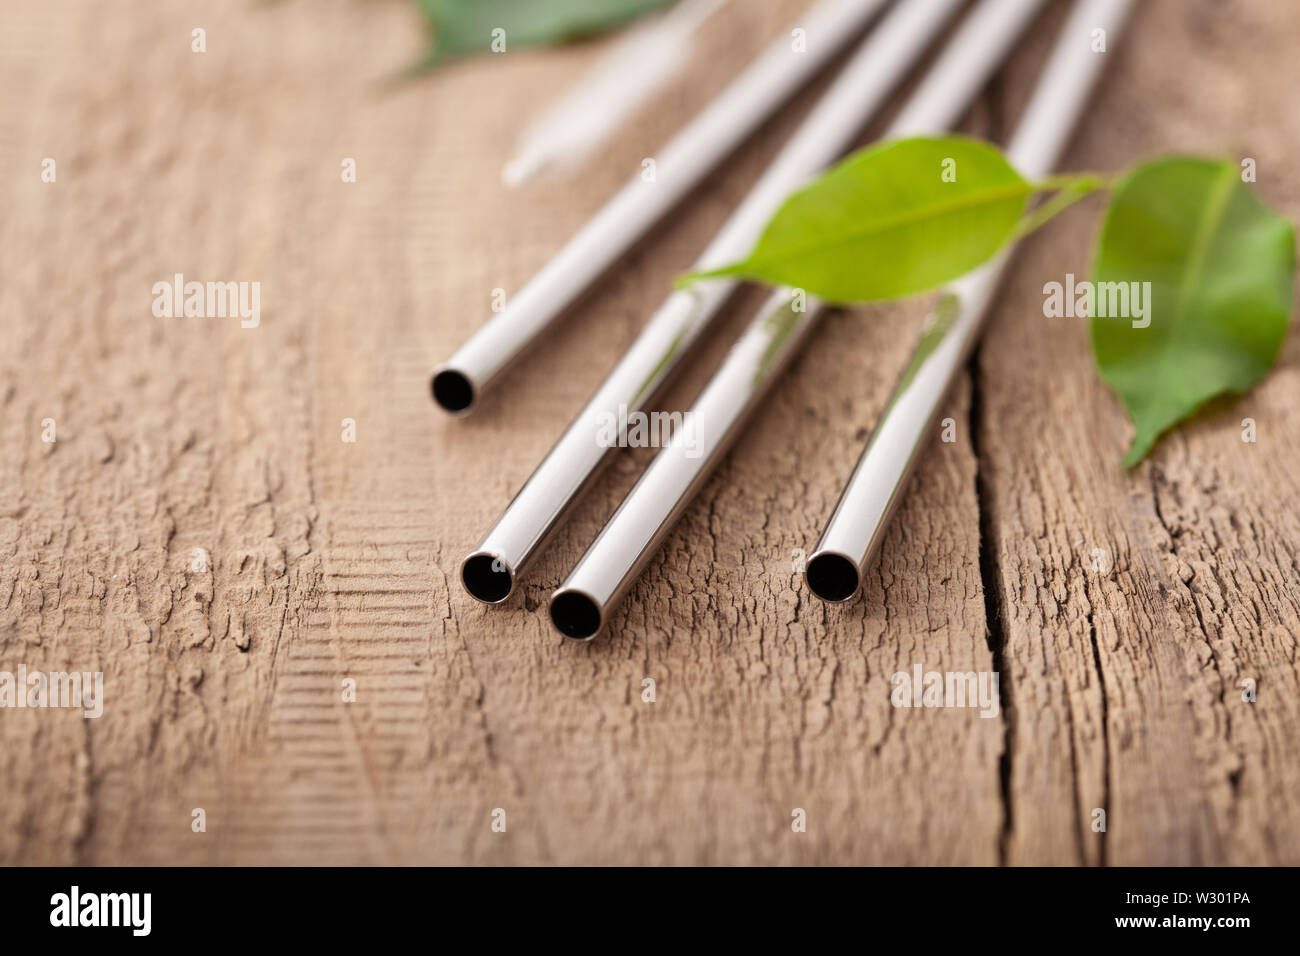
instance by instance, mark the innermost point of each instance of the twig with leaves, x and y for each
(1216, 265)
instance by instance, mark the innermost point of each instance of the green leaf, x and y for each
(1221, 268)
(887, 223)
(465, 26)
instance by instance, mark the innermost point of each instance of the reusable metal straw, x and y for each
(873, 493)
(692, 154)
(581, 606)
(636, 66)
(489, 573)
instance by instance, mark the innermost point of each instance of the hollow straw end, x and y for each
(833, 577)
(576, 614)
(452, 390)
(487, 577)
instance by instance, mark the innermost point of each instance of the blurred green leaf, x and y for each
(465, 26)
(1221, 267)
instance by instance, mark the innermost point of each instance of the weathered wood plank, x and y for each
(332, 560)
(1132, 605)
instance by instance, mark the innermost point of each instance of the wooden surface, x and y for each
(1121, 676)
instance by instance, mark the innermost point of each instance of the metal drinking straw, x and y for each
(490, 572)
(680, 165)
(873, 493)
(580, 607)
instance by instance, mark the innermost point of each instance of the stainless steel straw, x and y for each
(679, 166)
(489, 573)
(874, 491)
(581, 606)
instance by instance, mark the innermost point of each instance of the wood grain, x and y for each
(332, 560)
(1133, 605)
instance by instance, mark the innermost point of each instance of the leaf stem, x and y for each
(1070, 189)
(1068, 180)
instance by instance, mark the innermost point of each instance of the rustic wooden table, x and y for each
(200, 531)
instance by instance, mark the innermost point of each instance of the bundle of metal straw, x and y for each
(581, 606)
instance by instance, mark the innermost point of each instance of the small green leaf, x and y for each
(1221, 268)
(465, 26)
(887, 222)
